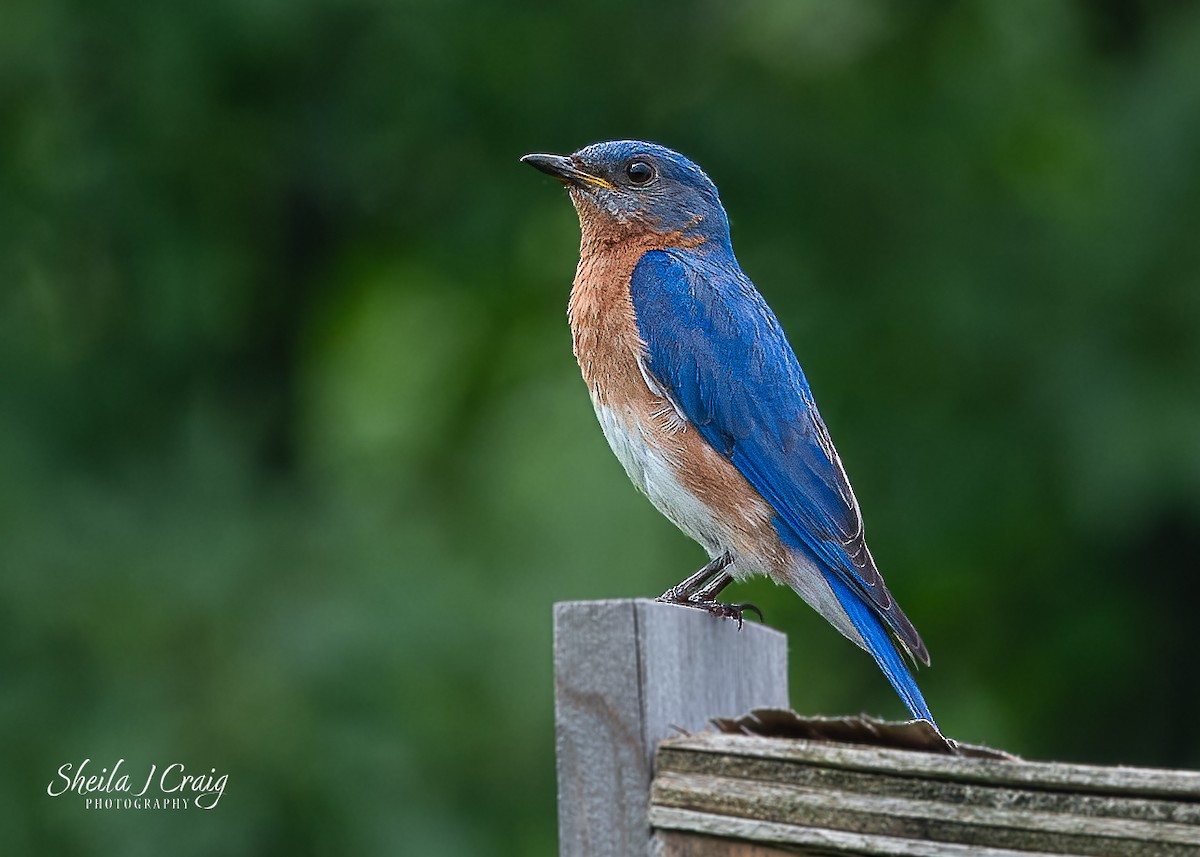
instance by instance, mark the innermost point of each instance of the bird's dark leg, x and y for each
(686, 590)
(702, 588)
(714, 587)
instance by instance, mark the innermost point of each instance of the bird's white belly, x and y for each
(655, 474)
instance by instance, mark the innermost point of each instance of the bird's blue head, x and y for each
(625, 188)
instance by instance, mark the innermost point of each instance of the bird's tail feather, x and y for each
(879, 644)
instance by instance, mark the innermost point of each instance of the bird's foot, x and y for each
(715, 608)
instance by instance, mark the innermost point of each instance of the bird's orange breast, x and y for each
(687, 480)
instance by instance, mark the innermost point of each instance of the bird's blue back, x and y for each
(718, 350)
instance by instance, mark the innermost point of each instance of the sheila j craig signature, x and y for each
(176, 789)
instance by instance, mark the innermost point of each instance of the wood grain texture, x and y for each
(884, 783)
(627, 675)
(1016, 828)
(675, 844)
(1140, 782)
(793, 839)
(852, 799)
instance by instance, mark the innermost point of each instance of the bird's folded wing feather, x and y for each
(717, 349)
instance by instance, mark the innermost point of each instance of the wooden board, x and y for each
(628, 674)
(838, 798)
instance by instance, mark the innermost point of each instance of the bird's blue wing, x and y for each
(716, 348)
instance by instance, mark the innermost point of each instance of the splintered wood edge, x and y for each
(1140, 782)
(824, 841)
(914, 817)
(888, 784)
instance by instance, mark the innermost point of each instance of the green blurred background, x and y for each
(294, 457)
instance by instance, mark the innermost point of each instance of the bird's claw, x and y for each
(733, 611)
(715, 608)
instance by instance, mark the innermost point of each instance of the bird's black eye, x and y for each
(639, 172)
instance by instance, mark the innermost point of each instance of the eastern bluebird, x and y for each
(701, 398)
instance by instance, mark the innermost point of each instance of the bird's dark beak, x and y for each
(564, 169)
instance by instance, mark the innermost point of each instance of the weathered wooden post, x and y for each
(627, 675)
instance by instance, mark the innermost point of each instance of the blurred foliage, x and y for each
(296, 459)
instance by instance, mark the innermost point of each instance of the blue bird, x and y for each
(702, 399)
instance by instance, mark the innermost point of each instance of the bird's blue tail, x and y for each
(880, 645)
